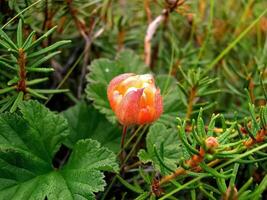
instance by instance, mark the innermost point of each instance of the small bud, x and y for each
(211, 142)
(209, 157)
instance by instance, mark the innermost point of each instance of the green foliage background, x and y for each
(209, 61)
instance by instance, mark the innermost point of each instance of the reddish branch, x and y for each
(193, 162)
(22, 71)
(48, 17)
(86, 33)
(120, 39)
(211, 143)
(148, 11)
(191, 100)
(251, 89)
(153, 26)
(260, 137)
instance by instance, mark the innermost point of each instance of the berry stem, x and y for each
(124, 132)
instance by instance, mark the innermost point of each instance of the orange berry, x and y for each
(135, 99)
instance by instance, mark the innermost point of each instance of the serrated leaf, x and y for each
(135, 65)
(46, 126)
(86, 122)
(172, 105)
(27, 146)
(167, 144)
(102, 71)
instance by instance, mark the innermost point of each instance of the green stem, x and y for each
(183, 186)
(66, 76)
(20, 13)
(109, 187)
(124, 132)
(131, 138)
(233, 43)
(242, 156)
(203, 47)
(135, 144)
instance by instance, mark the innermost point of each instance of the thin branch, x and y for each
(22, 71)
(191, 102)
(148, 11)
(153, 26)
(87, 35)
(149, 35)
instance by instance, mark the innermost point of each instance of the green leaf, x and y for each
(36, 94)
(7, 103)
(28, 144)
(212, 124)
(167, 144)
(44, 59)
(89, 154)
(44, 70)
(86, 122)
(9, 42)
(36, 81)
(102, 71)
(19, 34)
(17, 102)
(8, 89)
(129, 186)
(49, 49)
(13, 81)
(183, 137)
(40, 39)
(5, 64)
(28, 41)
(143, 196)
(136, 65)
(254, 124)
(171, 100)
(51, 91)
(45, 125)
(200, 125)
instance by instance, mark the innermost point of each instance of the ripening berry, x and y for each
(135, 99)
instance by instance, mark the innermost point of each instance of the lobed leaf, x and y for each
(166, 143)
(86, 122)
(28, 144)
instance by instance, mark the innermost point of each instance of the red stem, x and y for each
(22, 71)
(124, 132)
